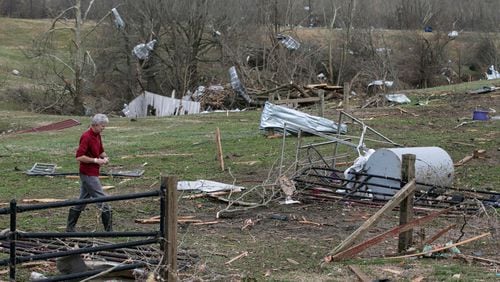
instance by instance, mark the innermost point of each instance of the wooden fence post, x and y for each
(169, 246)
(220, 156)
(321, 95)
(406, 207)
(347, 91)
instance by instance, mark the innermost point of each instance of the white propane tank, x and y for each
(433, 166)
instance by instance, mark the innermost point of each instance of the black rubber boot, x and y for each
(107, 220)
(72, 219)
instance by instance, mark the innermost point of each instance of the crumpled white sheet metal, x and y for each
(398, 98)
(274, 116)
(207, 186)
(165, 106)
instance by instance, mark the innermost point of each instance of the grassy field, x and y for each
(185, 147)
(278, 250)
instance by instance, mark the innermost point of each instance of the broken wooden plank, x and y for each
(310, 222)
(393, 271)
(155, 155)
(156, 219)
(391, 204)
(298, 100)
(480, 153)
(78, 177)
(407, 112)
(360, 274)
(463, 161)
(443, 248)
(220, 157)
(349, 253)
(207, 222)
(311, 86)
(42, 200)
(480, 259)
(244, 254)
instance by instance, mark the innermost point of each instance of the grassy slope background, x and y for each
(184, 146)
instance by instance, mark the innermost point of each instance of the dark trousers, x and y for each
(90, 187)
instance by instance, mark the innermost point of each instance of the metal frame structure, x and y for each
(13, 235)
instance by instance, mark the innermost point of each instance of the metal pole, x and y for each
(297, 151)
(282, 148)
(335, 148)
(13, 238)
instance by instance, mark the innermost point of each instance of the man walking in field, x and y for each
(90, 154)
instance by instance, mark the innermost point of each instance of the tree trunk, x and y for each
(78, 61)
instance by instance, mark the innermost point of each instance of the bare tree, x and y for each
(348, 21)
(76, 71)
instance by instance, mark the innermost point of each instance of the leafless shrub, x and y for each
(422, 58)
(487, 52)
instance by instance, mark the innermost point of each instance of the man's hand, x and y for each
(100, 161)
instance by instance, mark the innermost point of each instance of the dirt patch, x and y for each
(290, 241)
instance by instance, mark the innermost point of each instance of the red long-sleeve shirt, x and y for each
(90, 146)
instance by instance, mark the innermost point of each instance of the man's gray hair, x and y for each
(99, 119)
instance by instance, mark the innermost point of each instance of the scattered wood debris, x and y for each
(476, 154)
(439, 234)
(418, 279)
(393, 271)
(180, 219)
(392, 203)
(249, 223)
(244, 254)
(207, 222)
(42, 200)
(349, 253)
(407, 112)
(360, 274)
(154, 155)
(443, 248)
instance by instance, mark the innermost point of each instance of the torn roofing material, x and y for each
(53, 126)
(207, 186)
(274, 116)
(164, 106)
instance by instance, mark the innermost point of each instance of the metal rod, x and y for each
(68, 203)
(398, 179)
(86, 234)
(369, 128)
(297, 150)
(87, 250)
(72, 276)
(13, 239)
(318, 144)
(335, 148)
(283, 149)
(163, 189)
